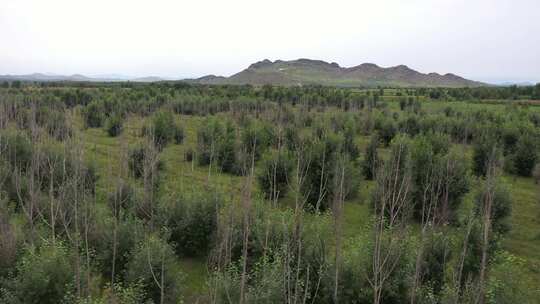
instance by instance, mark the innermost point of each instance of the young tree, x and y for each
(391, 208)
(191, 222)
(371, 158)
(153, 262)
(275, 174)
(163, 128)
(526, 155)
(93, 115)
(44, 274)
(483, 150)
(257, 136)
(114, 125)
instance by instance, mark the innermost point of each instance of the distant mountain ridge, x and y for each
(78, 78)
(307, 71)
(294, 73)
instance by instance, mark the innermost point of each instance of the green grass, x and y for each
(524, 238)
(195, 283)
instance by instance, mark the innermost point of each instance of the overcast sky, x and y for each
(488, 40)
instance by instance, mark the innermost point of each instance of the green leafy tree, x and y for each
(275, 174)
(44, 275)
(164, 128)
(484, 148)
(192, 223)
(526, 155)
(318, 188)
(114, 125)
(179, 134)
(93, 114)
(371, 159)
(154, 264)
(226, 151)
(387, 130)
(256, 138)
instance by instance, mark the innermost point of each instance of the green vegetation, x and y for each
(171, 192)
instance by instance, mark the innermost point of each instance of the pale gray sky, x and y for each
(489, 40)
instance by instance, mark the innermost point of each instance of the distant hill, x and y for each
(307, 71)
(77, 77)
(45, 77)
(208, 79)
(518, 84)
(147, 79)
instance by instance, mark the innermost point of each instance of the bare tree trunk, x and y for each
(391, 204)
(246, 208)
(463, 254)
(338, 221)
(160, 283)
(434, 183)
(487, 203)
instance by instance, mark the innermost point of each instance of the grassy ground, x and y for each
(524, 238)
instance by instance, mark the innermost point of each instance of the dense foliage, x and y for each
(171, 192)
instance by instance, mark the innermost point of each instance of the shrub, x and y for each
(44, 275)
(356, 273)
(164, 128)
(59, 168)
(93, 115)
(216, 143)
(393, 173)
(455, 169)
(54, 121)
(322, 155)
(189, 155)
(16, 149)
(525, 155)
(510, 137)
(275, 174)
(114, 125)
(371, 158)
(125, 233)
(208, 136)
(138, 158)
(349, 146)
(501, 208)
(256, 138)
(192, 223)
(226, 151)
(326, 160)
(292, 138)
(436, 253)
(387, 130)
(508, 281)
(151, 258)
(485, 149)
(122, 199)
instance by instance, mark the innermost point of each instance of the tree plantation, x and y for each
(171, 192)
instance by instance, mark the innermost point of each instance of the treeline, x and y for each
(81, 93)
